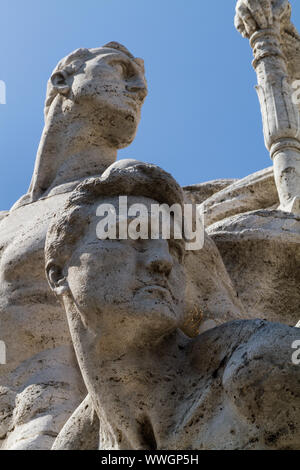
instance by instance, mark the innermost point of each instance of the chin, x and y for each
(122, 144)
(162, 314)
(123, 132)
(121, 140)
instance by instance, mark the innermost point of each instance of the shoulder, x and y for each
(213, 350)
(263, 385)
(227, 337)
(3, 214)
(266, 343)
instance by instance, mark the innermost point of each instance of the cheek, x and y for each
(178, 282)
(104, 86)
(104, 277)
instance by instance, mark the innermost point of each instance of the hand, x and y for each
(253, 15)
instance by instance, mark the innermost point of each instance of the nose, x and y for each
(160, 261)
(139, 87)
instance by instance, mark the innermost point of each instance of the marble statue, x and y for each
(92, 109)
(93, 106)
(204, 356)
(150, 385)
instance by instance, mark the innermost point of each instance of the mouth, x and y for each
(130, 101)
(158, 294)
(160, 290)
(155, 288)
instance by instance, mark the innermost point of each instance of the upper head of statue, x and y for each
(105, 85)
(127, 289)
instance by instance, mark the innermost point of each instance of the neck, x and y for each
(131, 378)
(128, 390)
(70, 150)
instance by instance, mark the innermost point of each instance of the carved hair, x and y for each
(71, 65)
(137, 180)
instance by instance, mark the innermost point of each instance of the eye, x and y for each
(118, 67)
(126, 70)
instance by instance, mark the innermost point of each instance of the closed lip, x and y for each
(156, 287)
(132, 101)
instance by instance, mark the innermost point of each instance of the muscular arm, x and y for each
(263, 386)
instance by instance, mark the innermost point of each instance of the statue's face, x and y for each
(111, 89)
(129, 285)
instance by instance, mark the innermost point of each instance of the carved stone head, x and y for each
(126, 290)
(106, 86)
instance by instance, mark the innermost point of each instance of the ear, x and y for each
(57, 281)
(59, 82)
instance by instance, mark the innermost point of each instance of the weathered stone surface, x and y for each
(81, 431)
(261, 251)
(202, 401)
(3, 214)
(88, 117)
(275, 44)
(256, 191)
(38, 398)
(151, 385)
(210, 288)
(31, 318)
(199, 193)
(164, 350)
(32, 322)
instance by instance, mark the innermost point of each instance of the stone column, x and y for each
(281, 119)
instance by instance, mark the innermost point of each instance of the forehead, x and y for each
(106, 55)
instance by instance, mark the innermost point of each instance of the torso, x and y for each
(218, 393)
(33, 322)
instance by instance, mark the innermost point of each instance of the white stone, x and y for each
(150, 384)
(168, 353)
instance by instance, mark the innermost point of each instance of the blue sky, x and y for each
(201, 120)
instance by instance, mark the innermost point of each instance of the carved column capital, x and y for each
(266, 43)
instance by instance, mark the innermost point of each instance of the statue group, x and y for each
(139, 344)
